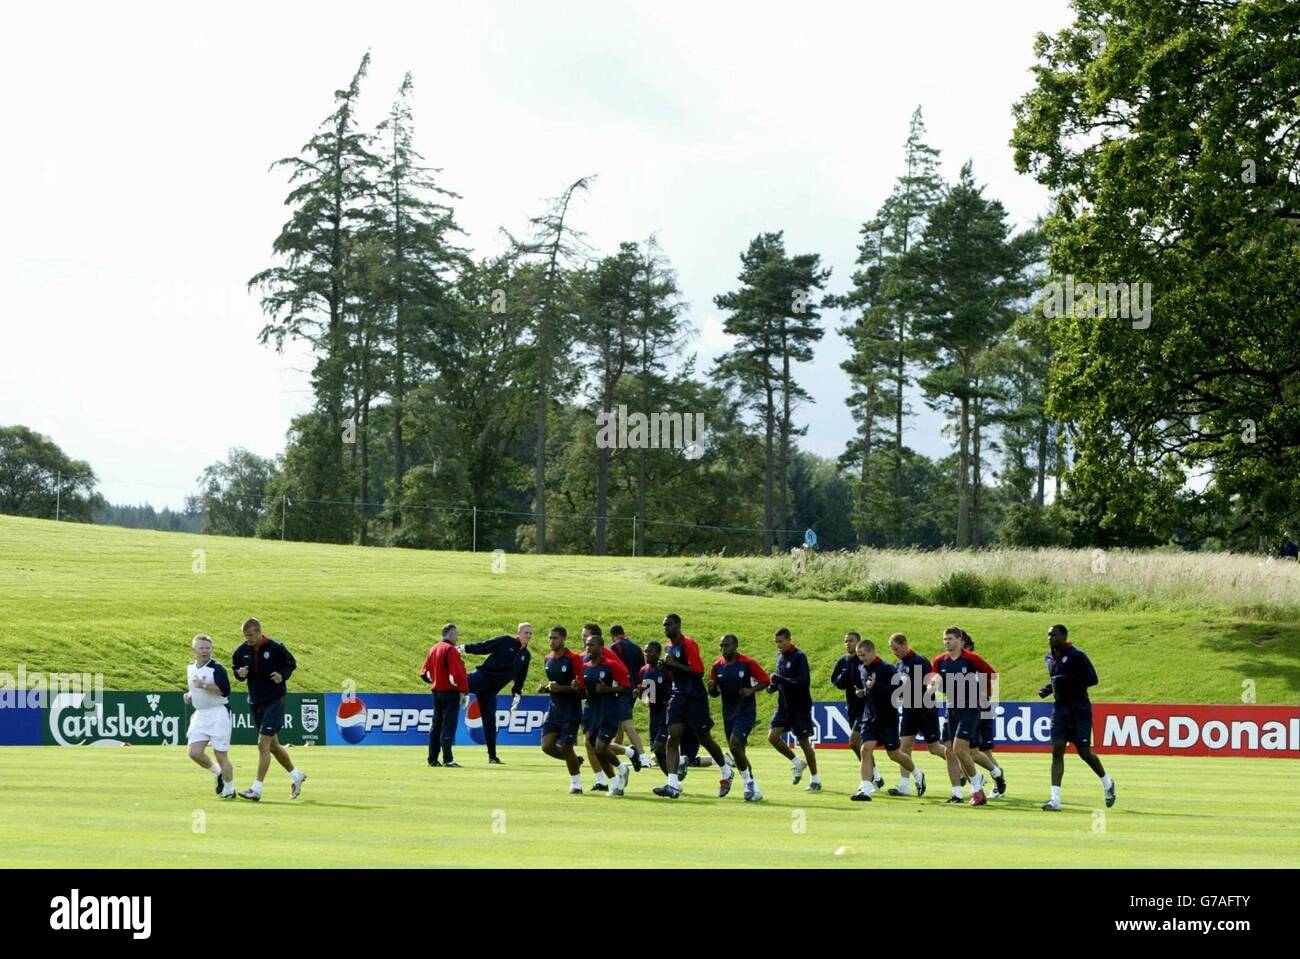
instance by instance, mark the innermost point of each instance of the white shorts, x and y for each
(211, 726)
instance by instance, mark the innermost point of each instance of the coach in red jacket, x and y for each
(444, 671)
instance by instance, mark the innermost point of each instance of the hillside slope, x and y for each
(125, 603)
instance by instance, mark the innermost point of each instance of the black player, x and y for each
(1071, 673)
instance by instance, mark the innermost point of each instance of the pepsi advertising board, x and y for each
(404, 719)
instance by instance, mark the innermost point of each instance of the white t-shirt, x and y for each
(203, 698)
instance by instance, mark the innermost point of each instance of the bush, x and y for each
(891, 592)
(960, 589)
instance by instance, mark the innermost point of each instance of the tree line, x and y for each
(459, 396)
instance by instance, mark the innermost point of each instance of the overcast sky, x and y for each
(138, 200)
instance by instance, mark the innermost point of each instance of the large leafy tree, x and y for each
(1170, 133)
(233, 493)
(38, 479)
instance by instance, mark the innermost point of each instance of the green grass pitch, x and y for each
(126, 603)
(382, 806)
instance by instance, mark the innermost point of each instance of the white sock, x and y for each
(815, 778)
(214, 769)
(747, 775)
(977, 783)
(1056, 794)
(956, 791)
(295, 774)
(902, 783)
(257, 786)
(1107, 782)
(646, 760)
(674, 781)
(866, 787)
(875, 773)
(600, 779)
(917, 775)
(794, 763)
(624, 769)
(997, 772)
(575, 782)
(729, 773)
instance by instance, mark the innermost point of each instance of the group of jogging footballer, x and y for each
(889, 706)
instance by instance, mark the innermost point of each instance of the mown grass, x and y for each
(76, 598)
(381, 806)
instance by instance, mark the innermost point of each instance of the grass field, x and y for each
(383, 807)
(77, 598)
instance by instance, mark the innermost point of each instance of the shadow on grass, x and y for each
(1255, 649)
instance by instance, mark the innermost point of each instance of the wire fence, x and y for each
(490, 535)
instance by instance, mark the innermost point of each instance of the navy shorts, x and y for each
(1072, 724)
(690, 712)
(881, 730)
(738, 727)
(988, 737)
(600, 721)
(659, 726)
(921, 723)
(624, 707)
(963, 724)
(268, 717)
(799, 721)
(566, 729)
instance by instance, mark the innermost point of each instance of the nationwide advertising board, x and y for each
(1155, 729)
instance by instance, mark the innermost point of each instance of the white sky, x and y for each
(137, 201)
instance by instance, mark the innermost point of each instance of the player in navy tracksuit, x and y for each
(845, 676)
(1071, 673)
(982, 750)
(879, 723)
(604, 676)
(266, 666)
(920, 715)
(793, 683)
(965, 679)
(507, 661)
(632, 657)
(564, 683)
(737, 679)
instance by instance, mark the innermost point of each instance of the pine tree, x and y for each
(306, 295)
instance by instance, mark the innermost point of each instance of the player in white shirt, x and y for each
(208, 693)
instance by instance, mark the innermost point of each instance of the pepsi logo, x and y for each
(351, 720)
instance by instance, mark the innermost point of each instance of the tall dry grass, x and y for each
(1015, 578)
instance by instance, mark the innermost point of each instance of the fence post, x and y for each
(284, 508)
(474, 548)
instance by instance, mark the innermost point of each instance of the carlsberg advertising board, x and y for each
(162, 719)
